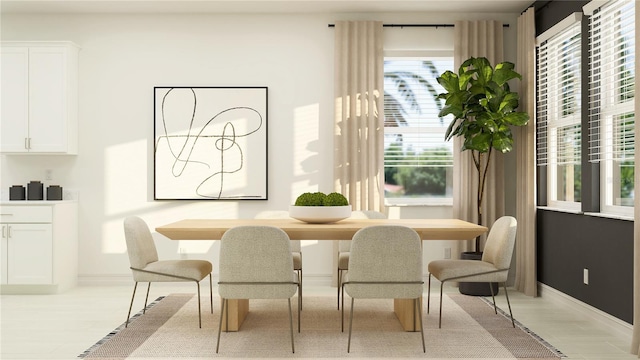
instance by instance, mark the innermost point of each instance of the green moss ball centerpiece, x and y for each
(319, 208)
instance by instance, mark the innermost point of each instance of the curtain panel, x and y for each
(525, 279)
(359, 115)
(477, 39)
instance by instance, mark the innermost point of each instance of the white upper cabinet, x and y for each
(39, 92)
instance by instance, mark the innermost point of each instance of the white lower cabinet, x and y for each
(39, 247)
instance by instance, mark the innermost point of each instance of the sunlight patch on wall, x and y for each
(126, 177)
(306, 146)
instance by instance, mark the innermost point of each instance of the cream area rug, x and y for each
(470, 330)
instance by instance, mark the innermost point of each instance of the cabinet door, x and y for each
(3, 254)
(47, 99)
(14, 109)
(31, 249)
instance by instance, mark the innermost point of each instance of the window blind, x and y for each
(414, 134)
(559, 97)
(612, 81)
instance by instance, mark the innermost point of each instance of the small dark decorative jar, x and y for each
(54, 192)
(17, 192)
(35, 191)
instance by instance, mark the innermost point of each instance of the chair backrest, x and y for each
(140, 246)
(345, 245)
(500, 242)
(255, 254)
(280, 214)
(387, 253)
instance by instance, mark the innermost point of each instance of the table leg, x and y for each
(405, 311)
(237, 310)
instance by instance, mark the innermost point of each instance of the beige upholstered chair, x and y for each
(385, 263)
(256, 263)
(493, 268)
(143, 258)
(345, 245)
(296, 248)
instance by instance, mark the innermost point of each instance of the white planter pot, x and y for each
(320, 214)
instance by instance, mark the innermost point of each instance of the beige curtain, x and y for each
(635, 343)
(359, 131)
(525, 280)
(477, 39)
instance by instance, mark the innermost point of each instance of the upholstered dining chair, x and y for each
(385, 263)
(296, 247)
(256, 263)
(345, 245)
(493, 268)
(145, 266)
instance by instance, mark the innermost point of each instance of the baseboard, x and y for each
(621, 327)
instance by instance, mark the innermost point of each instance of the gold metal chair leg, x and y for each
(293, 349)
(429, 293)
(299, 305)
(350, 324)
(342, 313)
(419, 310)
(144, 310)
(339, 272)
(506, 294)
(440, 316)
(211, 292)
(224, 301)
(199, 307)
(131, 305)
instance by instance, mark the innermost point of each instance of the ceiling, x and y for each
(261, 6)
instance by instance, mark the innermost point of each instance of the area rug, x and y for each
(470, 330)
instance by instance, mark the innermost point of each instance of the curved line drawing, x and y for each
(181, 147)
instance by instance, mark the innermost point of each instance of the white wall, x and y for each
(124, 56)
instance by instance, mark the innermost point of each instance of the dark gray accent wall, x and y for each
(568, 243)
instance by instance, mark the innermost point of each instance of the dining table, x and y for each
(427, 229)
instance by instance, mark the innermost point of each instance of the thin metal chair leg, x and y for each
(350, 325)
(199, 308)
(220, 324)
(293, 349)
(506, 294)
(338, 286)
(342, 313)
(440, 316)
(429, 293)
(144, 310)
(299, 308)
(300, 302)
(495, 308)
(211, 292)
(419, 310)
(131, 305)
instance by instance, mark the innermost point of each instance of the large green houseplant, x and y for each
(484, 109)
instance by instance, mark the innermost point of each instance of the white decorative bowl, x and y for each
(319, 214)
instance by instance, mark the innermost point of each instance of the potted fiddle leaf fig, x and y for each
(484, 110)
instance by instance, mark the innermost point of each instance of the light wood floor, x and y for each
(64, 325)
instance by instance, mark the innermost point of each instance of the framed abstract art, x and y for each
(210, 143)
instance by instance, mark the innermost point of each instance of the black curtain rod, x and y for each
(418, 25)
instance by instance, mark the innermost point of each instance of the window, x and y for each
(559, 127)
(418, 162)
(611, 103)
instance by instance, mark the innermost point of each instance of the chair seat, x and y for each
(343, 260)
(297, 260)
(444, 270)
(195, 270)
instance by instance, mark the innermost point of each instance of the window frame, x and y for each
(422, 200)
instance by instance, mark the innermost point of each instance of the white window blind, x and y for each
(559, 97)
(414, 133)
(612, 81)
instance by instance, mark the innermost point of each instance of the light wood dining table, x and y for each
(428, 229)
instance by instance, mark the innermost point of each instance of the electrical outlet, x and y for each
(48, 174)
(447, 253)
(585, 276)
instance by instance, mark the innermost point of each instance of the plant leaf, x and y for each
(517, 118)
